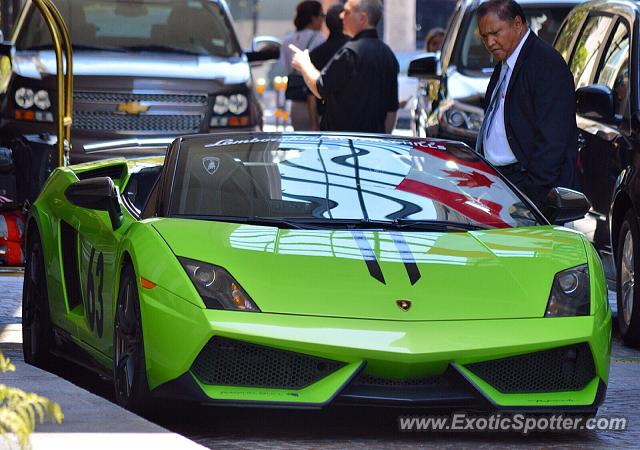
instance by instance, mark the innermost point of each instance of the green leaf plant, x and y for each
(19, 410)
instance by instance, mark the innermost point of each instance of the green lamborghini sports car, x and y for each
(303, 270)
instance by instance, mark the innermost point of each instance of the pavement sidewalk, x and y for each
(90, 422)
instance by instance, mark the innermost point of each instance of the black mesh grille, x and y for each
(561, 369)
(84, 120)
(370, 380)
(228, 362)
(123, 97)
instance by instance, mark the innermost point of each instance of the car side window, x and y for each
(614, 72)
(139, 187)
(588, 47)
(568, 31)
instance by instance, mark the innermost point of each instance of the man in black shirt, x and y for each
(323, 53)
(360, 83)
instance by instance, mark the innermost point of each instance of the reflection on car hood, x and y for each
(494, 274)
(154, 65)
(465, 88)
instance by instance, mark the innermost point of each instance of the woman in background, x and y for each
(308, 21)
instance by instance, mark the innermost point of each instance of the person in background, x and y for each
(433, 40)
(360, 83)
(308, 22)
(322, 54)
(529, 130)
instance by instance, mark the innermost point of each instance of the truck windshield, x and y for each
(197, 27)
(473, 57)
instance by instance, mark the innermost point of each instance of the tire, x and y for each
(627, 262)
(129, 367)
(37, 336)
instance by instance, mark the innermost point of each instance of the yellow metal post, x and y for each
(64, 78)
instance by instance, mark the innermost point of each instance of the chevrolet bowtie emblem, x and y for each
(404, 305)
(132, 107)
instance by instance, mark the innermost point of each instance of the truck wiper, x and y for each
(78, 47)
(160, 48)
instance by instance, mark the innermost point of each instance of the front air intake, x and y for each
(228, 362)
(561, 369)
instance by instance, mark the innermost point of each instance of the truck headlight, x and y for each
(216, 286)
(221, 105)
(24, 97)
(570, 293)
(41, 100)
(238, 103)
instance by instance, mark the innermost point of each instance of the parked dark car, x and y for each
(453, 82)
(144, 68)
(596, 42)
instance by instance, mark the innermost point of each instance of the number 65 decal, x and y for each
(95, 316)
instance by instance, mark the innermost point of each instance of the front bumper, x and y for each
(424, 364)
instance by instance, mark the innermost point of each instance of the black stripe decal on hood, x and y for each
(407, 257)
(368, 255)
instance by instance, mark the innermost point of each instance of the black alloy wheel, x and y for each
(129, 368)
(36, 323)
(627, 260)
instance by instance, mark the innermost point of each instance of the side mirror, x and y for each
(595, 102)
(565, 205)
(426, 66)
(264, 48)
(96, 193)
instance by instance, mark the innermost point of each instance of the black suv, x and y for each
(599, 42)
(141, 69)
(453, 82)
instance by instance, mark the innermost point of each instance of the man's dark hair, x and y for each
(334, 22)
(506, 10)
(305, 12)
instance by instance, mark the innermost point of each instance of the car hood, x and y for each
(40, 64)
(465, 88)
(496, 274)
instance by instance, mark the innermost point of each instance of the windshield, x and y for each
(338, 179)
(473, 57)
(197, 27)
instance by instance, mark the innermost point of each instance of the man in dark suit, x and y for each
(529, 130)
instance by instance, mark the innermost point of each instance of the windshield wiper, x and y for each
(438, 225)
(160, 48)
(310, 223)
(77, 47)
(254, 220)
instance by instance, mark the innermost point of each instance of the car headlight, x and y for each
(24, 97)
(570, 293)
(216, 286)
(41, 100)
(238, 103)
(221, 106)
(467, 117)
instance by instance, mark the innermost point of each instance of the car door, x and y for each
(600, 143)
(88, 237)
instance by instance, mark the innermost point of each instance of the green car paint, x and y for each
(481, 296)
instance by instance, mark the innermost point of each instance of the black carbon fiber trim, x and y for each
(561, 369)
(228, 362)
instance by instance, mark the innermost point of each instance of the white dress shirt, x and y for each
(496, 145)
